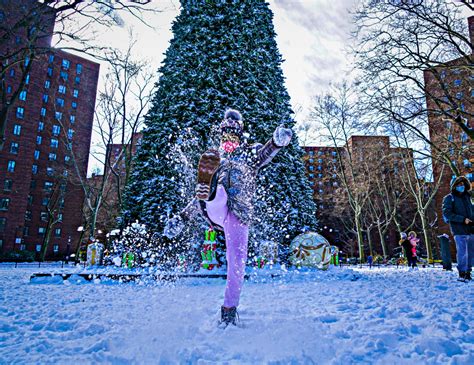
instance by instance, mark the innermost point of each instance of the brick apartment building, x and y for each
(47, 139)
(456, 77)
(323, 170)
(114, 181)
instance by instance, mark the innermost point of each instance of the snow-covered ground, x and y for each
(381, 316)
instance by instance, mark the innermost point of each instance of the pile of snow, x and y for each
(302, 316)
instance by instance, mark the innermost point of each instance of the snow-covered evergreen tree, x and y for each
(223, 55)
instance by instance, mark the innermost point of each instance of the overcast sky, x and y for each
(311, 34)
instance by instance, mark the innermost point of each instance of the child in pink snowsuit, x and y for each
(224, 194)
(414, 242)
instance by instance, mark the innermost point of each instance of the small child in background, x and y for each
(414, 242)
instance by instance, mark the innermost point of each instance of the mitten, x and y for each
(173, 227)
(282, 136)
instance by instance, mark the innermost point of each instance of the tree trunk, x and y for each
(360, 238)
(369, 240)
(46, 240)
(382, 240)
(425, 226)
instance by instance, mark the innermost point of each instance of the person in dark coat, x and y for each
(458, 211)
(408, 248)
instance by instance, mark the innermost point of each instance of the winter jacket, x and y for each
(407, 247)
(457, 207)
(238, 174)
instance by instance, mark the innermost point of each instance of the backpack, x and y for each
(445, 219)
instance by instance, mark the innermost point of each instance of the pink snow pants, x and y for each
(236, 240)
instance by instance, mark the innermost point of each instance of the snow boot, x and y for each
(207, 175)
(229, 316)
(468, 276)
(462, 276)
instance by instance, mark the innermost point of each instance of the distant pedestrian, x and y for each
(458, 211)
(370, 261)
(408, 248)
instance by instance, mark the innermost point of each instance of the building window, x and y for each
(45, 98)
(311, 168)
(27, 61)
(52, 156)
(311, 176)
(72, 119)
(51, 58)
(45, 202)
(44, 216)
(3, 224)
(49, 171)
(34, 169)
(20, 112)
(43, 112)
(78, 68)
(70, 133)
(77, 80)
(320, 153)
(40, 126)
(65, 64)
(59, 102)
(48, 185)
(57, 232)
(39, 139)
(12, 72)
(61, 203)
(41, 231)
(311, 153)
(56, 248)
(47, 84)
(457, 82)
(56, 130)
(54, 143)
(67, 158)
(26, 231)
(467, 163)
(334, 153)
(63, 75)
(74, 105)
(37, 155)
(62, 89)
(30, 199)
(4, 203)
(58, 115)
(17, 129)
(75, 93)
(9, 89)
(464, 137)
(60, 217)
(11, 166)
(50, 71)
(14, 148)
(311, 160)
(320, 160)
(22, 95)
(459, 95)
(27, 79)
(450, 137)
(7, 185)
(38, 248)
